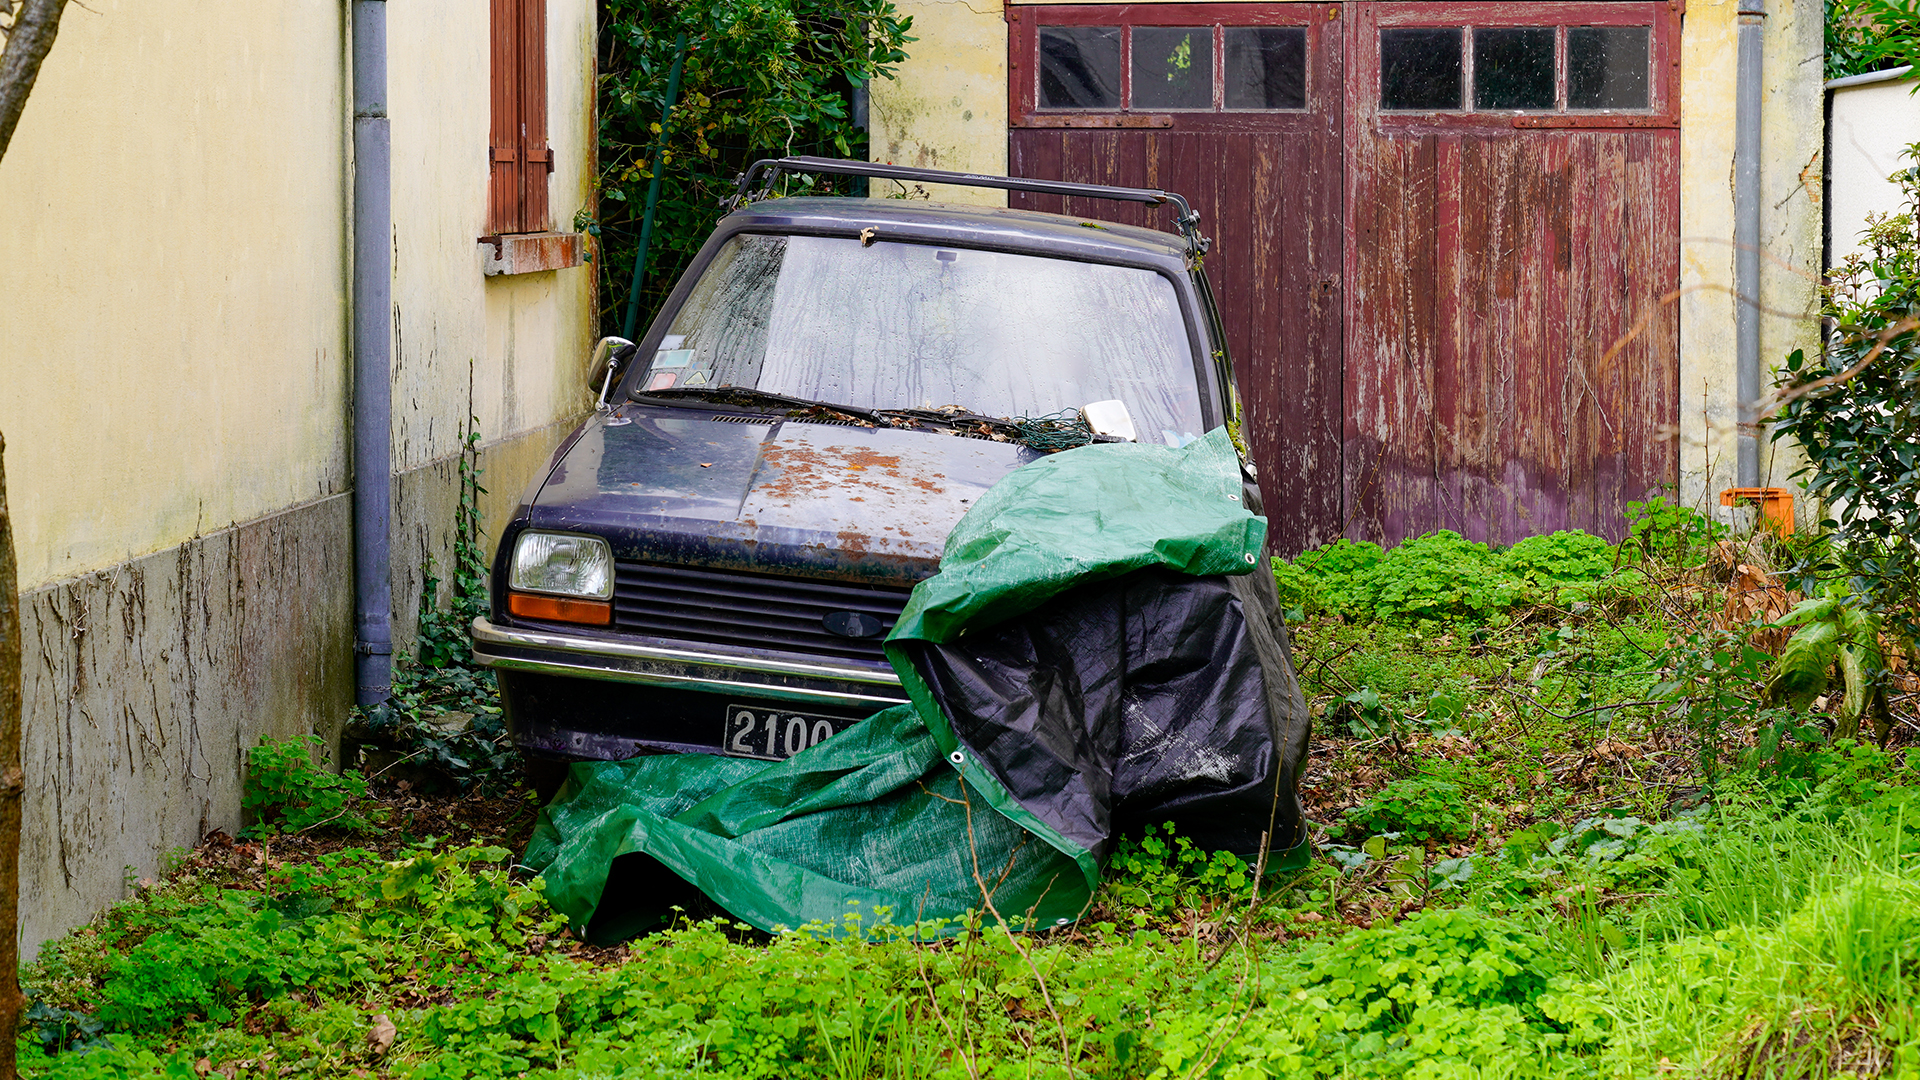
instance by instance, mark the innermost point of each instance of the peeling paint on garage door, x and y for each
(1447, 239)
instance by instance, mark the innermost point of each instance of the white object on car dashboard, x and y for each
(1109, 418)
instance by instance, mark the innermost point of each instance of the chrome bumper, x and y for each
(708, 668)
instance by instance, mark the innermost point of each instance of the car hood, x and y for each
(805, 497)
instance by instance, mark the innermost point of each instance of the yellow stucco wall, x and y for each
(173, 321)
(1791, 140)
(173, 339)
(512, 348)
(946, 108)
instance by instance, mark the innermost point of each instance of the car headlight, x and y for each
(562, 564)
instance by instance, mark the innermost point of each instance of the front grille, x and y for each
(724, 607)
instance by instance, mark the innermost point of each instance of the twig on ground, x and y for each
(986, 897)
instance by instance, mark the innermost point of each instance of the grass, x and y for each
(1532, 863)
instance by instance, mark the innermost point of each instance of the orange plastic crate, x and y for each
(1776, 505)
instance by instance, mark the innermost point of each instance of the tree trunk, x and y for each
(10, 785)
(28, 39)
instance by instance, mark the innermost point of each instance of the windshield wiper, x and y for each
(747, 396)
(953, 417)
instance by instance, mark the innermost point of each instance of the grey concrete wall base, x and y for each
(147, 682)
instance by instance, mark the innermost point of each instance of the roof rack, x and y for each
(767, 170)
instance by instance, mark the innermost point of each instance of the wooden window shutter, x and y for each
(519, 156)
(535, 153)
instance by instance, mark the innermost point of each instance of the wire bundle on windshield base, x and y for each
(1063, 430)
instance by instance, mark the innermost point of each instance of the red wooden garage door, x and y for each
(1513, 212)
(1236, 107)
(1448, 286)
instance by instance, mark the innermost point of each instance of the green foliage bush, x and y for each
(1418, 808)
(1442, 576)
(349, 921)
(762, 78)
(1850, 410)
(286, 793)
(60, 1030)
(1774, 923)
(444, 717)
(1562, 558)
(1159, 872)
(1870, 35)
(1449, 992)
(1670, 532)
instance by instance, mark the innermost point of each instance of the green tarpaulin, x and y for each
(908, 818)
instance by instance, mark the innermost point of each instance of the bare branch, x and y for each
(1785, 394)
(28, 41)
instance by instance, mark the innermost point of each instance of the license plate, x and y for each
(775, 735)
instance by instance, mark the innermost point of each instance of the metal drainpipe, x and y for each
(372, 356)
(1746, 241)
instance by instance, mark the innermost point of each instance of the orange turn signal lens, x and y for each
(560, 609)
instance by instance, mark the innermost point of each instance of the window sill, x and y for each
(531, 253)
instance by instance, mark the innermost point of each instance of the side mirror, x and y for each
(610, 360)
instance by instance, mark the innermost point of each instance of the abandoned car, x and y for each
(711, 562)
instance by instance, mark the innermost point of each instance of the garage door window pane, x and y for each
(1513, 68)
(1266, 67)
(1607, 67)
(1173, 67)
(1079, 67)
(1420, 69)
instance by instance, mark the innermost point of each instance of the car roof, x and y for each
(995, 226)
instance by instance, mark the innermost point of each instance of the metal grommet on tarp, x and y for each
(957, 758)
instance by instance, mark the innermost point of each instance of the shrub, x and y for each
(351, 921)
(1445, 993)
(444, 716)
(1850, 410)
(1559, 559)
(1419, 808)
(1441, 577)
(1162, 872)
(286, 793)
(762, 79)
(1869, 35)
(1672, 533)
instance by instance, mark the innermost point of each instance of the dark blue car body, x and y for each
(761, 553)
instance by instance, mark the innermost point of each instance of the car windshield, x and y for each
(906, 326)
